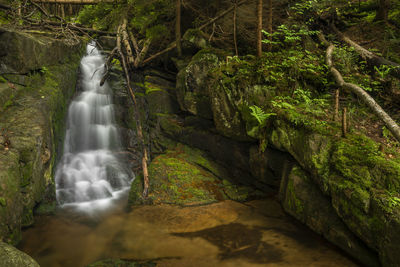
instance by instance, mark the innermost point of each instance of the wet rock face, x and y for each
(302, 199)
(12, 257)
(31, 124)
(360, 183)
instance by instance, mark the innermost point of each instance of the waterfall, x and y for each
(89, 172)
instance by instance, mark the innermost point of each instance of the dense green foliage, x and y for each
(147, 18)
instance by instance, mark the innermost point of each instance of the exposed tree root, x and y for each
(361, 93)
(371, 58)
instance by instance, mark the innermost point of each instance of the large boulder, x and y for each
(32, 127)
(12, 257)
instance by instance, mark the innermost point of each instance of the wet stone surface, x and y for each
(227, 233)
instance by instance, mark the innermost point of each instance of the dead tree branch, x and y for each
(137, 116)
(361, 93)
(371, 58)
(108, 65)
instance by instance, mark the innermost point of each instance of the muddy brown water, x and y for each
(228, 233)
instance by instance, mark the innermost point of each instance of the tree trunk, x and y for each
(344, 122)
(336, 114)
(62, 12)
(235, 28)
(259, 27)
(270, 23)
(173, 44)
(178, 28)
(383, 10)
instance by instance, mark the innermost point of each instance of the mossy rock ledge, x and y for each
(360, 182)
(361, 187)
(32, 124)
(185, 176)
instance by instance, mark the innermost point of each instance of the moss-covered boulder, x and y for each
(186, 176)
(12, 257)
(194, 40)
(363, 185)
(233, 155)
(33, 126)
(302, 199)
(192, 84)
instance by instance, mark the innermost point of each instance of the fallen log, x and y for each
(361, 93)
(70, 26)
(371, 58)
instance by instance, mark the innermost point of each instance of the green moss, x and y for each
(46, 209)
(8, 103)
(3, 201)
(27, 217)
(27, 173)
(184, 175)
(151, 88)
(294, 203)
(211, 54)
(358, 159)
(170, 126)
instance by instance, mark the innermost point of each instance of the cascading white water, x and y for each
(89, 172)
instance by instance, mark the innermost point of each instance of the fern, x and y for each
(259, 114)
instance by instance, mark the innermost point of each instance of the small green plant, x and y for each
(383, 71)
(43, 70)
(260, 115)
(285, 35)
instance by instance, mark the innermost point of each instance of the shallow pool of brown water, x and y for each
(228, 233)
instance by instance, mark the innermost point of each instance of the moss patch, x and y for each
(185, 176)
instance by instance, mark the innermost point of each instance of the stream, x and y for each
(91, 222)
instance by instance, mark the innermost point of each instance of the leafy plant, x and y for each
(260, 115)
(384, 70)
(43, 70)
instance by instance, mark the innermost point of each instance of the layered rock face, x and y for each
(340, 188)
(38, 77)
